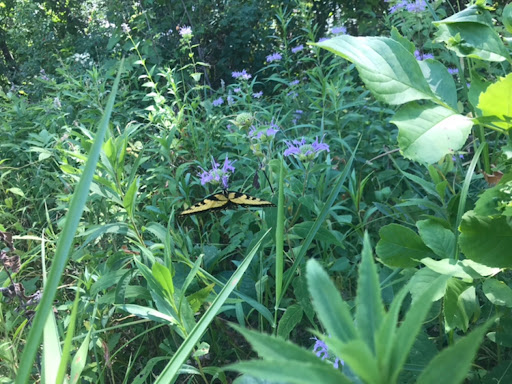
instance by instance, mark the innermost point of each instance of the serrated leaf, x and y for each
(428, 133)
(497, 101)
(387, 68)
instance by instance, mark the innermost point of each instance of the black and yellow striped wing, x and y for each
(226, 200)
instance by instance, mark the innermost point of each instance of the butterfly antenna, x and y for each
(266, 177)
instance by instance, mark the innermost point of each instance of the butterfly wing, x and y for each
(210, 203)
(245, 200)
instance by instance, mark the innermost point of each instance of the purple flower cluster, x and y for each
(416, 6)
(321, 350)
(261, 134)
(218, 102)
(298, 48)
(274, 57)
(422, 56)
(217, 175)
(453, 71)
(257, 95)
(305, 151)
(338, 30)
(241, 74)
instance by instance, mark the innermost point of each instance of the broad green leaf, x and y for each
(387, 68)
(497, 292)
(495, 201)
(470, 33)
(497, 101)
(486, 240)
(427, 133)
(332, 311)
(477, 86)
(464, 269)
(400, 247)
(455, 313)
(291, 317)
(440, 81)
(369, 307)
(438, 238)
(421, 280)
(507, 17)
(456, 359)
(15, 191)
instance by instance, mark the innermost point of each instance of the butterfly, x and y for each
(226, 200)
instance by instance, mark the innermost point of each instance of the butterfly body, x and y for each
(226, 200)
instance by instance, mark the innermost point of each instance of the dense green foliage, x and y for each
(376, 128)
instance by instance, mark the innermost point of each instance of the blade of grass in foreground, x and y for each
(65, 242)
(170, 372)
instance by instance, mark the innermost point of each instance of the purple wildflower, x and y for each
(274, 57)
(185, 31)
(237, 90)
(125, 28)
(230, 100)
(338, 30)
(298, 48)
(218, 175)
(263, 134)
(461, 156)
(453, 71)
(323, 39)
(257, 95)
(305, 151)
(294, 82)
(417, 6)
(321, 350)
(422, 56)
(243, 74)
(218, 102)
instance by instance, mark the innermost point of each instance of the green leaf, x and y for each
(15, 191)
(455, 313)
(497, 101)
(369, 307)
(130, 197)
(464, 269)
(199, 297)
(170, 372)
(291, 317)
(486, 240)
(400, 247)
(427, 133)
(148, 313)
(387, 68)
(497, 292)
(332, 311)
(507, 17)
(164, 277)
(411, 325)
(470, 33)
(65, 242)
(440, 81)
(420, 282)
(455, 359)
(78, 362)
(437, 237)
